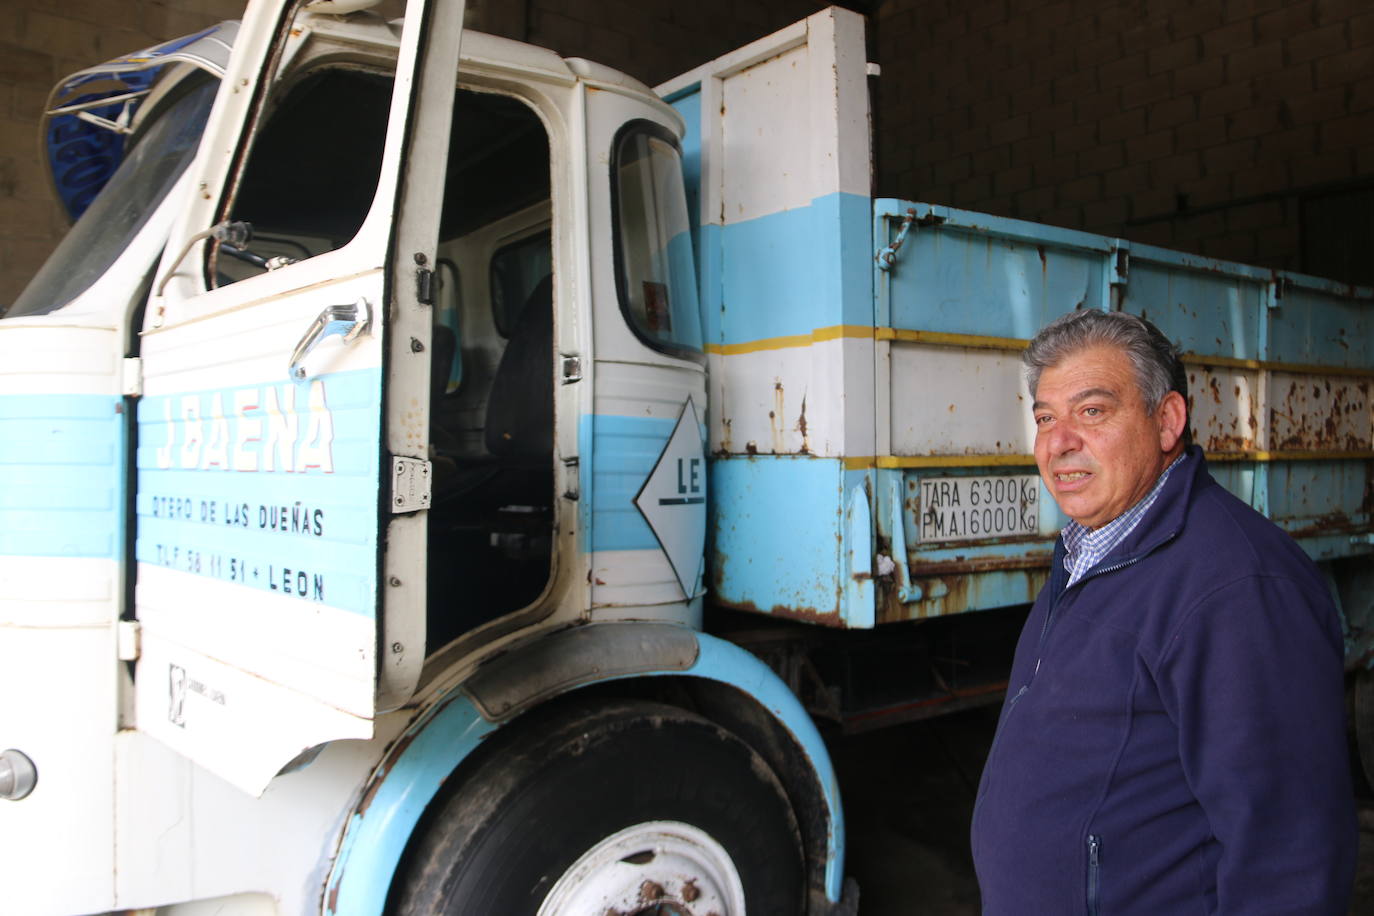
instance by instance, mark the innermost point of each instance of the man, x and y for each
(1173, 738)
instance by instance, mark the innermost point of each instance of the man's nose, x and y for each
(1063, 437)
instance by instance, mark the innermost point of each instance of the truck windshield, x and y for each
(158, 154)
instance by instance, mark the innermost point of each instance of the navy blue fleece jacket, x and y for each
(1173, 739)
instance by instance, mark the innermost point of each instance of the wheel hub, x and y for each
(657, 868)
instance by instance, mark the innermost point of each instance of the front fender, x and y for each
(417, 764)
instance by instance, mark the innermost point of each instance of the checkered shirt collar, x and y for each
(1084, 548)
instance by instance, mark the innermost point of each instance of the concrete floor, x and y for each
(908, 795)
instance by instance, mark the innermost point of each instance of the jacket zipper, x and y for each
(992, 749)
(1049, 615)
(1094, 862)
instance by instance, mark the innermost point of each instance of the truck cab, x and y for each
(393, 409)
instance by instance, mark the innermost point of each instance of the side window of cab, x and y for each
(312, 171)
(655, 273)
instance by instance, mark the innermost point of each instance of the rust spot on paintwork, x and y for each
(957, 588)
(1044, 264)
(1039, 559)
(1331, 523)
(383, 769)
(801, 614)
(1227, 443)
(801, 428)
(775, 418)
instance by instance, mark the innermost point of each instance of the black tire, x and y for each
(512, 828)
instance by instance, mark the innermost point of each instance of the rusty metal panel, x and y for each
(1224, 408)
(1319, 412)
(1280, 369)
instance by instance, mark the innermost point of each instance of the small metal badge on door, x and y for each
(176, 695)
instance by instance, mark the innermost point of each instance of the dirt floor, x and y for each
(908, 795)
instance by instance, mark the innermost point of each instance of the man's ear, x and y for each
(1173, 417)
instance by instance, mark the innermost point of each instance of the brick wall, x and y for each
(1242, 129)
(1216, 126)
(651, 40)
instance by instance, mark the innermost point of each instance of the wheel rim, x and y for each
(657, 868)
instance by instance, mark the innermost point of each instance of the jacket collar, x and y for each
(1161, 523)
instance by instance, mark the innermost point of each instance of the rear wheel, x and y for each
(631, 807)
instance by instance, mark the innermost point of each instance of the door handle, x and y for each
(348, 320)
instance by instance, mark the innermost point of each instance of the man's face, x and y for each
(1098, 450)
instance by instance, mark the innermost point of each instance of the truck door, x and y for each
(778, 164)
(282, 430)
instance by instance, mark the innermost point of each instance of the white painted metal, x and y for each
(963, 407)
(785, 128)
(802, 127)
(789, 399)
(276, 676)
(58, 672)
(692, 871)
(184, 834)
(1224, 408)
(627, 379)
(673, 500)
(59, 684)
(628, 582)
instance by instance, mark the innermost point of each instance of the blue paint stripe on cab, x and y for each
(270, 530)
(61, 478)
(624, 451)
(790, 272)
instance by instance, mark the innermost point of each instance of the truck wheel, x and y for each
(629, 807)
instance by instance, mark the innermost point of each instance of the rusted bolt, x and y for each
(416, 346)
(397, 648)
(420, 258)
(690, 892)
(393, 582)
(650, 891)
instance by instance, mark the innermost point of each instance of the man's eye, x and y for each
(1092, 411)
(1043, 419)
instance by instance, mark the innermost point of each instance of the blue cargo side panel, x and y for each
(785, 533)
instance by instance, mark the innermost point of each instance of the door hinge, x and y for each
(131, 376)
(129, 639)
(424, 286)
(410, 484)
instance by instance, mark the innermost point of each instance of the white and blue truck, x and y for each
(438, 476)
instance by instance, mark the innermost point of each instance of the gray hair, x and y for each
(1158, 368)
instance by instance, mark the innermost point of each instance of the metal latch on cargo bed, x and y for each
(887, 257)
